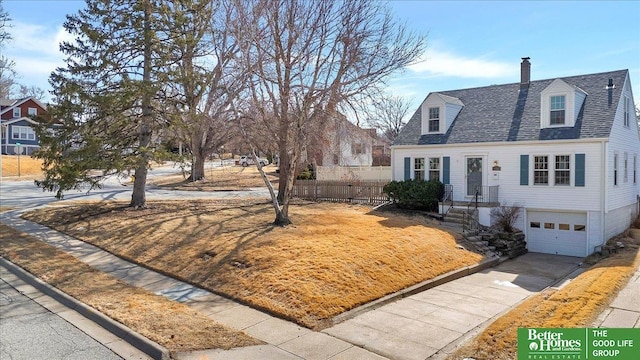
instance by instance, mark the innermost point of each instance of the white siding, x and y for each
(594, 230)
(585, 198)
(619, 220)
(451, 111)
(580, 96)
(623, 140)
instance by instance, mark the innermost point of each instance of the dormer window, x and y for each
(557, 110)
(434, 119)
(438, 111)
(560, 104)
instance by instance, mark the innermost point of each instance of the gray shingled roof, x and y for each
(503, 113)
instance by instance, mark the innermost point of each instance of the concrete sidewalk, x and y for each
(624, 311)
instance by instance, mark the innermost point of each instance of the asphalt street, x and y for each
(30, 331)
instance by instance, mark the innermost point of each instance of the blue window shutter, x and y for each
(407, 168)
(579, 170)
(524, 169)
(446, 165)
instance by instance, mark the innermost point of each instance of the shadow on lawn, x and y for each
(192, 245)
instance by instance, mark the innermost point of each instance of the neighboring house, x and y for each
(564, 149)
(17, 124)
(344, 144)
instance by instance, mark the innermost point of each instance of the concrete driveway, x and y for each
(431, 323)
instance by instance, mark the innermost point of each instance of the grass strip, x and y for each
(334, 258)
(170, 324)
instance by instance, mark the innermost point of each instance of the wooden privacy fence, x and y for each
(341, 191)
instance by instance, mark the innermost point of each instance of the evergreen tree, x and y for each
(105, 99)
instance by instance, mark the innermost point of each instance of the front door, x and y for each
(474, 176)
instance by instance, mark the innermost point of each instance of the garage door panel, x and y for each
(557, 233)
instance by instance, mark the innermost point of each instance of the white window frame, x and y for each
(437, 108)
(16, 112)
(434, 168)
(635, 168)
(32, 111)
(358, 149)
(541, 170)
(564, 110)
(615, 169)
(556, 170)
(625, 168)
(627, 111)
(23, 132)
(418, 168)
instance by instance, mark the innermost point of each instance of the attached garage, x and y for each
(561, 233)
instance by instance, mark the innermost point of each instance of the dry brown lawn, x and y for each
(575, 305)
(335, 258)
(29, 167)
(227, 178)
(170, 324)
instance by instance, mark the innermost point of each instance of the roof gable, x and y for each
(19, 102)
(501, 113)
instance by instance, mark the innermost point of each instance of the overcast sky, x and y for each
(470, 43)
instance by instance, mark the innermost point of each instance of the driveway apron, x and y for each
(429, 324)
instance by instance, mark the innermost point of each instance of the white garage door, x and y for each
(557, 233)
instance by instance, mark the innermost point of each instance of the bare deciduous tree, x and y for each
(199, 77)
(307, 59)
(387, 114)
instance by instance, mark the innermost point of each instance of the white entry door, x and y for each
(557, 233)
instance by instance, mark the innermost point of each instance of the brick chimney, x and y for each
(525, 73)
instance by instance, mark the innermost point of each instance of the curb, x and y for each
(140, 342)
(414, 289)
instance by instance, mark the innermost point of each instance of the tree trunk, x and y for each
(138, 197)
(197, 168)
(282, 217)
(283, 175)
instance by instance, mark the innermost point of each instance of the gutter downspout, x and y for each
(604, 194)
(392, 166)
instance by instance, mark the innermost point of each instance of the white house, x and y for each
(564, 149)
(345, 144)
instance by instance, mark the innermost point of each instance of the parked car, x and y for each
(248, 160)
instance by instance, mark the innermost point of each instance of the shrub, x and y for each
(307, 174)
(415, 194)
(505, 216)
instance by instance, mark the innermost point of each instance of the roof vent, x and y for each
(610, 85)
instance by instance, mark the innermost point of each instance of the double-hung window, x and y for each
(23, 133)
(16, 112)
(563, 170)
(557, 110)
(434, 119)
(418, 169)
(625, 168)
(541, 170)
(434, 168)
(635, 169)
(615, 169)
(32, 111)
(627, 110)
